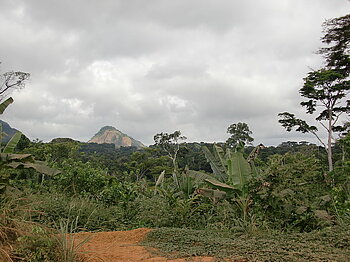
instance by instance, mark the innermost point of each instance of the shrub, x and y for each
(293, 193)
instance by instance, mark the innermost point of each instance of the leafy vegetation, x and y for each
(327, 245)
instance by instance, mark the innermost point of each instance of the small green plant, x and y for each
(68, 244)
(37, 246)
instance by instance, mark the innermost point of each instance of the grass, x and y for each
(67, 243)
(332, 244)
(14, 214)
(22, 239)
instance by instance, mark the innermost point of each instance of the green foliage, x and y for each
(289, 121)
(28, 240)
(81, 178)
(16, 161)
(92, 214)
(326, 88)
(145, 164)
(5, 104)
(43, 244)
(101, 188)
(55, 151)
(217, 162)
(11, 145)
(337, 35)
(68, 244)
(240, 133)
(328, 245)
(231, 171)
(292, 192)
(38, 246)
(169, 142)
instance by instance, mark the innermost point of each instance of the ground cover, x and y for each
(331, 244)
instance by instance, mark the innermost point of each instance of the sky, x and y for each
(154, 66)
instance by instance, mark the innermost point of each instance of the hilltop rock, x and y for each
(111, 135)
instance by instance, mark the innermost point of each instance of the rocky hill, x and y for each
(111, 135)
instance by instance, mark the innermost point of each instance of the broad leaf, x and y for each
(160, 179)
(11, 145)
(238, 169)
(220, 154)
(5, 104)
(11, 157)
(37, 165)
(198, 176)
(211, 193)
(221, 186)
(215, 164)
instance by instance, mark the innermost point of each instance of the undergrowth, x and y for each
(331, 244)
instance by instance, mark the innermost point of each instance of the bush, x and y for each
(92, 215)
(292, 193)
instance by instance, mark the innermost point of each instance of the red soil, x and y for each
(122, 246)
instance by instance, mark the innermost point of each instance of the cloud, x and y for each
(158, 66)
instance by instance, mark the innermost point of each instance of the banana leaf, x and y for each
(39, 166)
(220, 154)
(222, 186)
(11, 145)
(5, 104)
(186, 184)
(5, 157)
(215, 164)
(211, 193)
(198, 177)
(160, 179)
(239, 170)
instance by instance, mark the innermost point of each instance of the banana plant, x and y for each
(231, 171)
(231, 174)
(183, 184)
(8, 159)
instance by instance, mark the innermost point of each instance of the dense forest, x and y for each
(231, 189)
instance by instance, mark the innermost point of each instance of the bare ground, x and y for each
(123, 246)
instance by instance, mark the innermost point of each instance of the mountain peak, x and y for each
(111, 135)
(106, 128)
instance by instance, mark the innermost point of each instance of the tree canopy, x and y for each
(240, 132)
(326, 90)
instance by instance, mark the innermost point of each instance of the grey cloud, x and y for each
(152, 66)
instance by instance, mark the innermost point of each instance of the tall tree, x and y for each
(170, 144)
(240, 132)
(326, 90)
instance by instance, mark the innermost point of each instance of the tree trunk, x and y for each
(175, 172)
(329, 145)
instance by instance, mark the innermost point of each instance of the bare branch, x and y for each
(319, 139)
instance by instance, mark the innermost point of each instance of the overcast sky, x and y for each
(160, 65)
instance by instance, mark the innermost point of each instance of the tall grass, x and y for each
(69, 245)
(15, 222)
(21, 239)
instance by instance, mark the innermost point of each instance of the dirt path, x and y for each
(122, 246)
